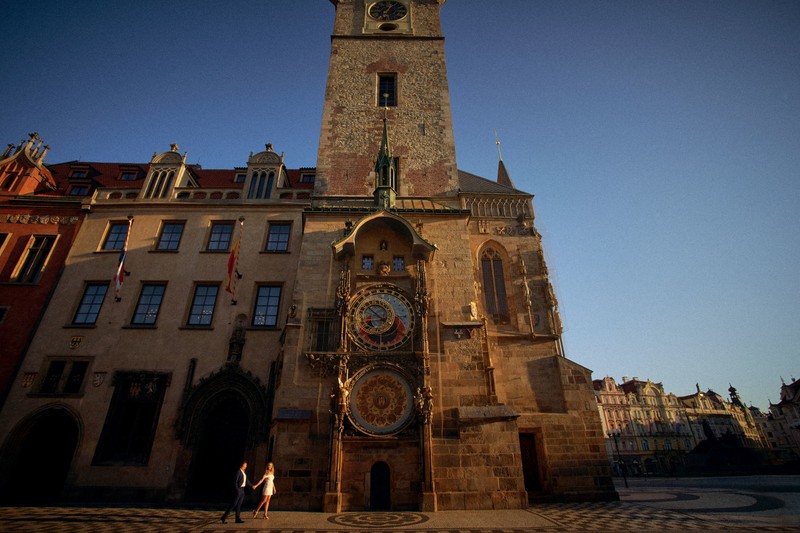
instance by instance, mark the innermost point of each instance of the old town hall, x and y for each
(381, 327)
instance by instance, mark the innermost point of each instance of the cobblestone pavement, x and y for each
(766, 503)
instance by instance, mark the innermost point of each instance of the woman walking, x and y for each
(269, 489)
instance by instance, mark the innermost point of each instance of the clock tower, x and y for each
(387, 57)
(421, 366)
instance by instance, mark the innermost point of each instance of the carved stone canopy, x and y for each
(420, 248)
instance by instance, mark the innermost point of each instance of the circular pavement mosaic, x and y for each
(378, 520)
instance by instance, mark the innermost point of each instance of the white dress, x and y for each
(269, 485)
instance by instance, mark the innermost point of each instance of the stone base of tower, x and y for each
(332, 503)
(427, 502)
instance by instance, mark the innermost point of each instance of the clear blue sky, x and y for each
(661, 139)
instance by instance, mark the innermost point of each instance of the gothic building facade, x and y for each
(381, 327)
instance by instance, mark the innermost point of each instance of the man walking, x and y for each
(236, 504)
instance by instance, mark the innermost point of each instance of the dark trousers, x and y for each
(236, 504)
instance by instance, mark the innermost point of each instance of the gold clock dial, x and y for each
(380, 318)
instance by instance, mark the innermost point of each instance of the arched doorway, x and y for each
(39, 457)
(219, 449)
(380, 487)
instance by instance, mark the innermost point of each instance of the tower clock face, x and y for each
(381, 318)
(387, 10)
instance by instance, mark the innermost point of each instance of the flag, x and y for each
(233, 263)
(119, 275)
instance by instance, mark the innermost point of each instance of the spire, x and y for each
(385, 193)
(502, 174)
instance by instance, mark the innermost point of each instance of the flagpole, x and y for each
(120, 275)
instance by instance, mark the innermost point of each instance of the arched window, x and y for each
(261, 185)
(494, 286)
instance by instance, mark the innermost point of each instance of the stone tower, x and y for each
(423, 366)
(382, 62)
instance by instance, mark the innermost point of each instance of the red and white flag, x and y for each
(119, 275)
(233, 263)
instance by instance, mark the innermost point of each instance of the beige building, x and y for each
(393, 342)
(782, 422)
(708, 411)
(646, 428)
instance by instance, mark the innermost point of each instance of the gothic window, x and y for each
(8, 181)
(132, 419)
(494, 286)
(91, 302)
(34, 259)
(160, 184)
(149, 304)
(268, 299)
(278, 237)
(203, 303)
(220, 237)
(645, 445)
(387, 90)
(170, 237)
(261, 185)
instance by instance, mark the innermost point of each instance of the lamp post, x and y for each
(615, 435)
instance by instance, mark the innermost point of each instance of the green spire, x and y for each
(385, 173)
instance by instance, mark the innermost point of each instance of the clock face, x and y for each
(387, 10)
(380, 319)
(381, 402)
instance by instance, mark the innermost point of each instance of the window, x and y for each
(170, 237)
(91, 302)
(148, 305)
(160, 184)
(324, 322)
(367, 262)
(398, 263)
(79, 190)
(34, 259)
(78, 174)
(116, 236)
(261, 185)
(220, 237)
(8, 181)
(239, 178)
(494, 287)
(278, 237)
(203, 303)
(387, 90)
(132, 419)
(645, 445)
(268, 301)
(64, 376)
(128, 175)
(306, 178)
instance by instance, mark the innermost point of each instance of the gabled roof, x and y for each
(472, 184)
(107, 175)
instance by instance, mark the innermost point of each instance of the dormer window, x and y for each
(127, 175)
(77, 174)
(79, 190)
(239, 178)
(306, 178)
